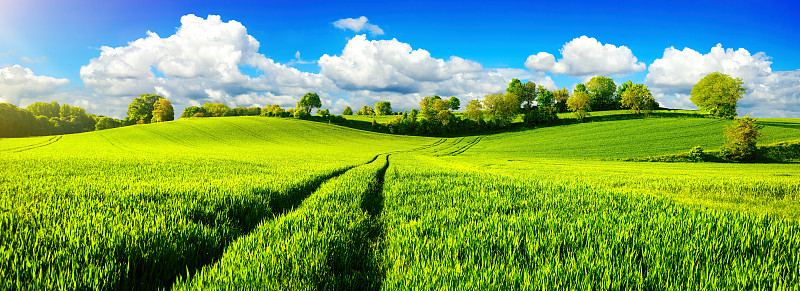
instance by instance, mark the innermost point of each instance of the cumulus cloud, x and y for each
(358, 25)
(202, 61)
(18, 84)
(585, 56)
(390, 65)
(376, 70)
(769, 94)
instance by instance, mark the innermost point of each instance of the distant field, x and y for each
(271, 203)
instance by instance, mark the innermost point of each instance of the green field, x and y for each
(284, 204)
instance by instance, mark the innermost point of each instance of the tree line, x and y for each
(716, 93)
(42, 118)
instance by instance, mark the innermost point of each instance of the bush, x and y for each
(696, 153)
(541, 116)
(742, 137)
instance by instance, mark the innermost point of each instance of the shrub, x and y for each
(742, 137)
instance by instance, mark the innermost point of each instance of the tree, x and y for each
(580, 88)
(216, 109)
(383, 108)
(502, 107)
(624, 87)
(453, 103)
(475, 110)
(742, 137)
(45, 109)
(365, 110)
(15, 121)
(141, 109)
(192, 111)
(309, 101)
(163, 111)
(78, 116)
(529, 95)
(107, 123)
(638, 98)
(561, 96)
(431, 107)
(717, 93)
(578, 103)
(347, 111)
(515, 87)
(601, 90)
(525, 92)
(545, 97)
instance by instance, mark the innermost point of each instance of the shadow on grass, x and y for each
(781, 124)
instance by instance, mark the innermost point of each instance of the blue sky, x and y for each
(56, 38)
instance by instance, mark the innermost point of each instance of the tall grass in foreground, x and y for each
(467, 229)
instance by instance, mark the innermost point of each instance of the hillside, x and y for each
(273, 203)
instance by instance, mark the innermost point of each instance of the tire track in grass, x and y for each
(280, 204)
(370, 249)
(49, 142)
(463, 148)
(29, 145)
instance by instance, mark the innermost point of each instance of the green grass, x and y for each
(271, 203)
(382, 119)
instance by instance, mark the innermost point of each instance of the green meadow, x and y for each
(238, 203)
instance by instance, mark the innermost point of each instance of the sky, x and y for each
(102, 54)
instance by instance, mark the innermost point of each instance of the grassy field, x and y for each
(270, 203)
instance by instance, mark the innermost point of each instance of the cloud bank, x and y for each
(201, 62)
(769, 93)
(19, 84)
(585, 56)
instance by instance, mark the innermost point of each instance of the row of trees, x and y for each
(43, 118)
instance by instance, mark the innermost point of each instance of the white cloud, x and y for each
(201, 62)
(358, 25)
(18, 84)
(585, 56)
(769, 94)
(376, 70)
(28, 60)
(298, 60)
(390, 65)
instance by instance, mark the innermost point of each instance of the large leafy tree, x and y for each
(163, 111)
(579, 104)
(601, 90)
(544, 97)
(309, 101)
(718, 94)
(561, 96)
(453, 103)
(638, 98)
(383, 108)
(525, 92)
(216, 109)
(431, 106)
(365, 110)
(45, 109)
(502, 107)
(475, 110)
(141, 109)
(347, 111)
